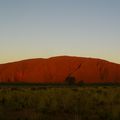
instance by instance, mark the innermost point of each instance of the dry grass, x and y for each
(77, 103)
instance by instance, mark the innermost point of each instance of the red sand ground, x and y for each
(56, 69)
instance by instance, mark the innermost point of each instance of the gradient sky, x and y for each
(45, 28)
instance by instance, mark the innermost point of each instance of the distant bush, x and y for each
(80, 83)
(70, 80)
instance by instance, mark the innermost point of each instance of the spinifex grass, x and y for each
(77, 103)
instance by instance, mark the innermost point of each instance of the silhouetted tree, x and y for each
(70, 80)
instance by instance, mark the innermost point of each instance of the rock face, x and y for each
(56, 69)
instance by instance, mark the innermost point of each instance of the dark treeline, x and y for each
(79, 84)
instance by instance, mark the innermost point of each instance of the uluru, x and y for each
(57, 69)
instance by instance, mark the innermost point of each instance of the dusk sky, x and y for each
(46, 28)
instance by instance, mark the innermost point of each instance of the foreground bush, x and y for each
(77, 103)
